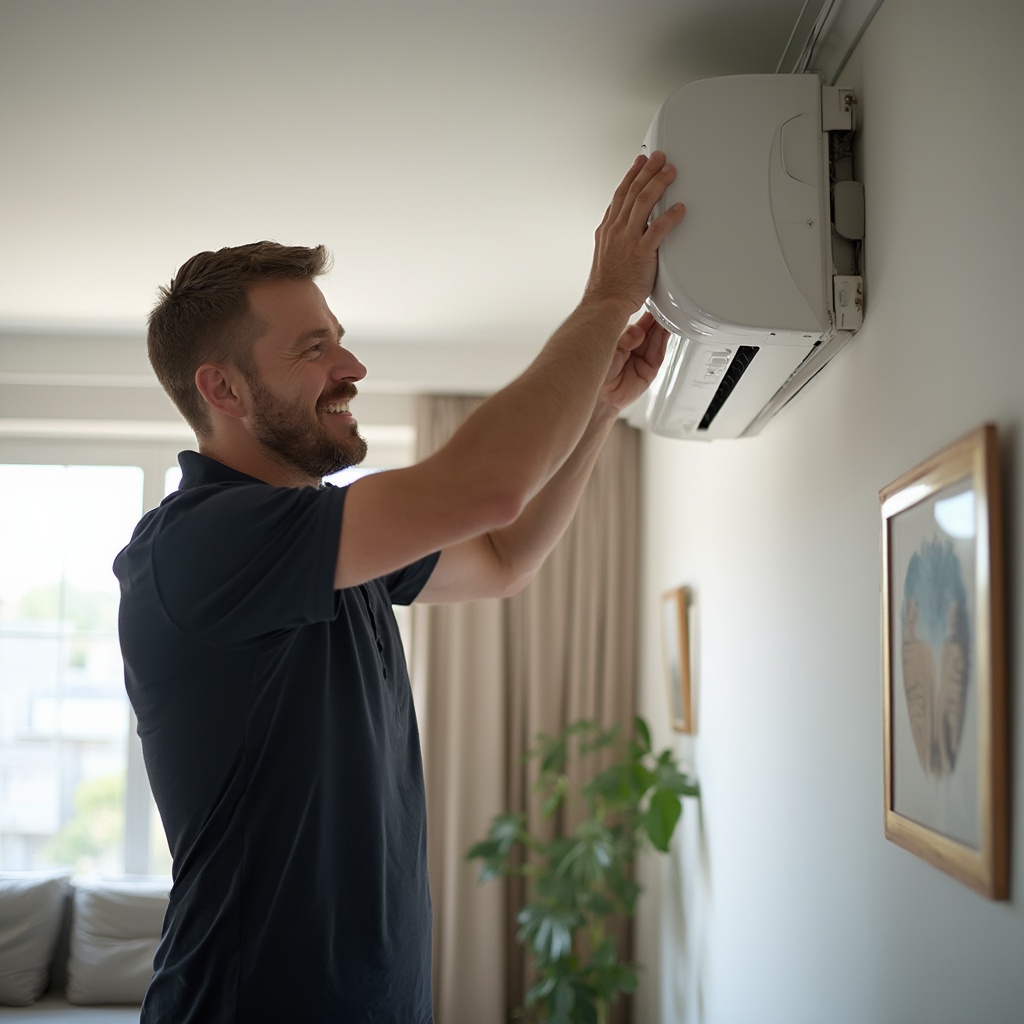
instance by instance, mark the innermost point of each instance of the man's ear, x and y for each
(223, 390)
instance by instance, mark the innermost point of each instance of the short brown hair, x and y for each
(204, 316)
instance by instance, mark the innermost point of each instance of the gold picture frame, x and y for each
(675, 636)
(944, 664)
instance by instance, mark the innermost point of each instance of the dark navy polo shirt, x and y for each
(279, 734)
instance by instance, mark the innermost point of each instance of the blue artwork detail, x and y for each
(936, 654)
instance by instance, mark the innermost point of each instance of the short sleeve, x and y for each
(244, 560)
(404, 585)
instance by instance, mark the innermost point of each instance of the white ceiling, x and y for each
(455, 155)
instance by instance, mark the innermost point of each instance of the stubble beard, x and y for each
(298, 438)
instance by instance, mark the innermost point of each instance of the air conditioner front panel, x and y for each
(752, 251)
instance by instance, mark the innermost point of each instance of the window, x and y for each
(63, 712)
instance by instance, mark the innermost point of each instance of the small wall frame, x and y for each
(944, 664)
(675, 637)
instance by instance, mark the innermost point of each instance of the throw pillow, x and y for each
(115, 928)
(31, 909)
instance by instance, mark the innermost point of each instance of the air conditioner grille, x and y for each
(743, 358)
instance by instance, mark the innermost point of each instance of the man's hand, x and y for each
(625, 244)
(637, 357)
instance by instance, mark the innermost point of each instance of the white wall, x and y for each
(788, 904)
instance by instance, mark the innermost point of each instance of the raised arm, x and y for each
(486, 477)
(501, 562)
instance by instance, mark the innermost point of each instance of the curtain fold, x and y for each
(488, 677)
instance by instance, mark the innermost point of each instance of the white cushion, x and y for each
(115, 927)
(31, 909)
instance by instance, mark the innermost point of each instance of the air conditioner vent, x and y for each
(740, 361)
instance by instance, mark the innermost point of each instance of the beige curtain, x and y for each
(488, 677)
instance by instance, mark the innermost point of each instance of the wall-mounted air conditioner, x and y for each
(760, 285)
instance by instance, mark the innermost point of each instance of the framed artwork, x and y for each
(944, 664)
(675, 637)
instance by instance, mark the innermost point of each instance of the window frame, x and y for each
(154, 458)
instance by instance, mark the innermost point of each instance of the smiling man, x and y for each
(261, 652)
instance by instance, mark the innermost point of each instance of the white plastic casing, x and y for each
(750, 264)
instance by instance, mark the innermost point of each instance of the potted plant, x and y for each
(577, 882)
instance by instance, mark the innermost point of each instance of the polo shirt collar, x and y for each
(198, 470)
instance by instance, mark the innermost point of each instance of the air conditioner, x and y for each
(760, 284)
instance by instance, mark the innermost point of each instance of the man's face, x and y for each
(301, 381)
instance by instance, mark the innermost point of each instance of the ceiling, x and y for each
(455, 155)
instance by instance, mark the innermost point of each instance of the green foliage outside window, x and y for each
(88, 611)
(94, 837)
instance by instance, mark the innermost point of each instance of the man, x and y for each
(261, 654)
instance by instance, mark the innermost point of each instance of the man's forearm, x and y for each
(522, 546)
(525, 431)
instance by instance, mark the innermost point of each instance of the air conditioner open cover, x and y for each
(747, 284)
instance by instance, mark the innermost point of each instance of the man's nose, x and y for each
(346, 366)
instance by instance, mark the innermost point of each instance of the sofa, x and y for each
(77, 950)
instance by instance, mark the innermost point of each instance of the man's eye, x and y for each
(314, 348)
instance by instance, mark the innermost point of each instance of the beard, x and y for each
(298, 437)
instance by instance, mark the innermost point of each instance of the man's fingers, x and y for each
(632, 186)
(646, 185)
(619, 196)
(646, 201)
(627, 240)
(655, 340)
(659, 228)
(636, 333)
(659, 344)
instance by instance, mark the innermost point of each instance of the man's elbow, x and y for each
(514, 582)
(509, 572)
(503, 506)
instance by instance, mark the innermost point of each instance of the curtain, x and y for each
(488, 677)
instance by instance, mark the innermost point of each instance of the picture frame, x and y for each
(675, 635)
(944, 664)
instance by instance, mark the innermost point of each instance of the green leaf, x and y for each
(506, 830)
(600, 741)
(552, 802)
(606, 954)
(596, 904)
(628, 980)
(589, 855)
(643, 734)
(662, 815)
(614, 980)
(542, 989)
(548, 930)
(584, 1006)
(562, 1000)
(581, 727)
(485, 848)
(553, 758)
(641, 779)
(670, 778)
(613, 784)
